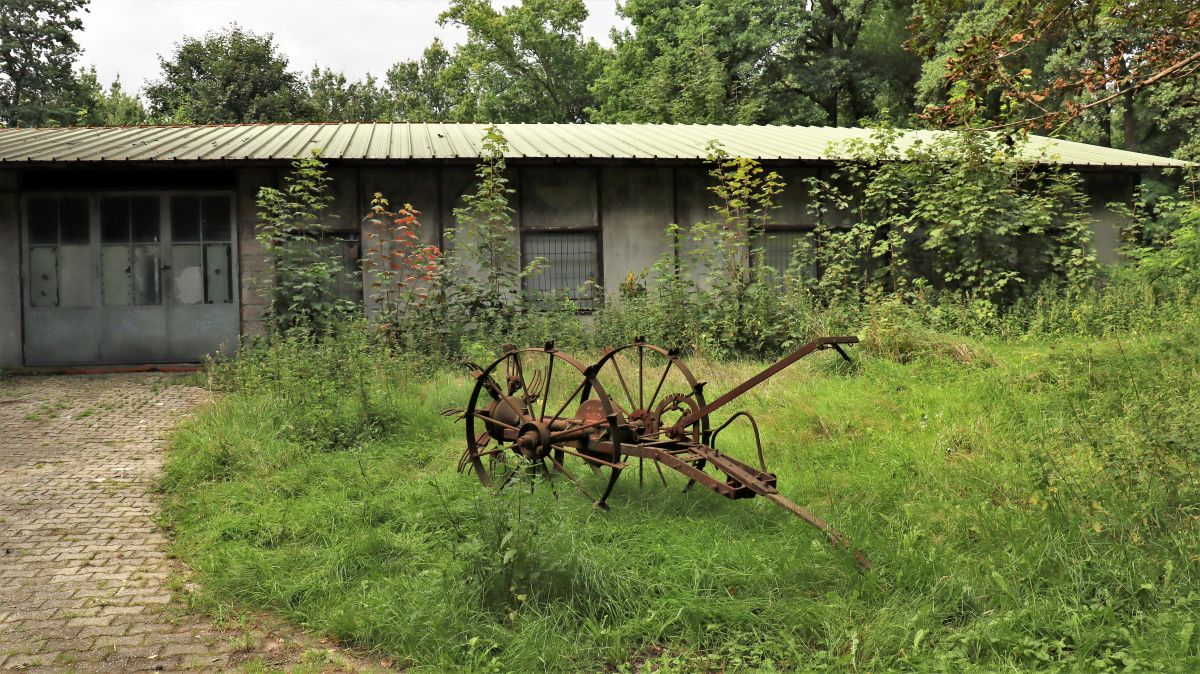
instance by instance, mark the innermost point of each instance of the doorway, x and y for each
(116, 278)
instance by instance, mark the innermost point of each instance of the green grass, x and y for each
(1026, 506)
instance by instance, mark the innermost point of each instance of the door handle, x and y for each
(165, 267)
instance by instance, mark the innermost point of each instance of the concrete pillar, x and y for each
(252, 262)
(10, 272)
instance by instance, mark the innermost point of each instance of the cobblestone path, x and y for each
(85, 578)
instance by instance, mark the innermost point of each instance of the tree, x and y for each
(526, 62)
(232, 76)
(1052, 65)
(333, 99)
(37, 55)
(107, 108)
(423, 90)
(697, 61)
(758, 61)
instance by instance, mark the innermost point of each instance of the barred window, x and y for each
(572, 260)
(346, 247)
(780, 244)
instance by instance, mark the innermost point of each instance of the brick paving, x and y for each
(86, 582)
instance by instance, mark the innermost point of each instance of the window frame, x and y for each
(593, 230)
(95, 235)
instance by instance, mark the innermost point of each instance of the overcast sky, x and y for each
(125, 37)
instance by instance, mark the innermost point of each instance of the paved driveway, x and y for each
(85, 581)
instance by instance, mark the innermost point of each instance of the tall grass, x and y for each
(1029, 504)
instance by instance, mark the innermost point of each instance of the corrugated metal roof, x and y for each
(251, 142)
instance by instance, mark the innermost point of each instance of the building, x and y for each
(136, 244)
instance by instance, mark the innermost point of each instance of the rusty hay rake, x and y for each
(538, 412)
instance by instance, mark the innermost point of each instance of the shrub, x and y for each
(302, 273)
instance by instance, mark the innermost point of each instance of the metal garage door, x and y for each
(129, 278)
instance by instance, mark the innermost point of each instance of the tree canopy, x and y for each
(37, 55)
(229, 76)
(1118, 73)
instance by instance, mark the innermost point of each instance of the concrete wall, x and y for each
(1103, 189)
(636, 205)
(413, 185)
(10, 272)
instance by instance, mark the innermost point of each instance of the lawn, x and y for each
(1027, 505)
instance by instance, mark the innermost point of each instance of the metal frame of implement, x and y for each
(514, 429)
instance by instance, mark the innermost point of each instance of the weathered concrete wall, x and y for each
(636, 205)
(1103, 189)
(414, 185)
(559, 197)
(10, 272)
(252, 263)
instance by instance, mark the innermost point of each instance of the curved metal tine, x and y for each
(574, 480)
(546, 388)
(661, 380)
(712, 438)
(516, 355)
(549, 479)
(699, 466)
(621, 378)
(508, 478)
(481, 440)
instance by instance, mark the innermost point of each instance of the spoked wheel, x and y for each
(530, 416)
(655, 390)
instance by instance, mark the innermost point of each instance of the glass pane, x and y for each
(215, 215)
(43, 220)
(114, 275)
(185, 219)
(217, 280)
(187, 275)
(114, 220)
(145, 218)
(76, 276)
(73, 219)
(43, 273)
(147, 288)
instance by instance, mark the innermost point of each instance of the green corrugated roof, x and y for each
(249, 142)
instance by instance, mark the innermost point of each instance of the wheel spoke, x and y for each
(582, 382)
(621, 378)
(561, 434)
(590, 459)
(491, 452)
(641, 377)
(661, 379)
(496, 421)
